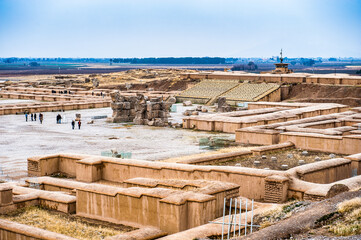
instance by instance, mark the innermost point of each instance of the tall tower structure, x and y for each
(282, 67)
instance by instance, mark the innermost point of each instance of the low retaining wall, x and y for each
(349, 144)
(258, 184)
(277, 78)
(327, 171)
(11, 230)
(171, 211)
(94, 168)
(145, 233)
(260, 115)
(13, 197)
(222, 157)
(53, 106)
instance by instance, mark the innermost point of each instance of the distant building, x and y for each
(281, 67)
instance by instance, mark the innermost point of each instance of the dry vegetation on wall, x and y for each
(63, 224)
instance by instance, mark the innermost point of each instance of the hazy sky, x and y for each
(163, 28)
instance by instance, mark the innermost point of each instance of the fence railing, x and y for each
(235, 204)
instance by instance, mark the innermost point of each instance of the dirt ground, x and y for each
(282, 158)
(349, 95)
(20, 139)
(144, 79)
(132, 79)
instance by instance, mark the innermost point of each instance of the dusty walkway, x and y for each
(20, 140)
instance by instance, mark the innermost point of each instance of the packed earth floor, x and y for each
(20, 139)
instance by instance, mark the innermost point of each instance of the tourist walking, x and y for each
(35, 117)
(73, 124)
(32, 117)
(58, 119)
(41, 118)
(79, 124)
(26, 116)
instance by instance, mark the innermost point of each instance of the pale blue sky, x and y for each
(164, 28)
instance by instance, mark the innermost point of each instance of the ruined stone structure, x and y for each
(140, 109)
(323, 127)
(51, 99)
(222, 105)
(123, 107)
(168, 197)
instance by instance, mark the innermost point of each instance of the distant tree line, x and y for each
(171, 60)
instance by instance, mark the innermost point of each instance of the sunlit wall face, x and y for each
(161, 28)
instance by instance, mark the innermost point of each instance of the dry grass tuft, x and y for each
(349, 205)
(350, 224)
(277, 213)
(58, 223)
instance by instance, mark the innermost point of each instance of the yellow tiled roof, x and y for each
(250, 91)
(209, 88)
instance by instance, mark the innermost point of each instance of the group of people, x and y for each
(33, 117)
(58, 120)
(73, 124)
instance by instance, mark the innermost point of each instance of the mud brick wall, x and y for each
(276, 188)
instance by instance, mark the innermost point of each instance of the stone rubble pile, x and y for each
(140, 110)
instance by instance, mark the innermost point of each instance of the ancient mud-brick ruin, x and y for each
(183, 199)
(123, 107)
(140, 110)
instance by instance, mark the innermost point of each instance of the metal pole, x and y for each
(245, 221)
(240, 214)
(235, 218)
(252, 218)
(229, 216)
(224, 213)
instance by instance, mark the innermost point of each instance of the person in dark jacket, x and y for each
(58, 119)
(41, 118)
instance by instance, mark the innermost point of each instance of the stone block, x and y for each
(149, 107)
(6, 195)
(156, 106)
(138, 121)
(127, 105)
